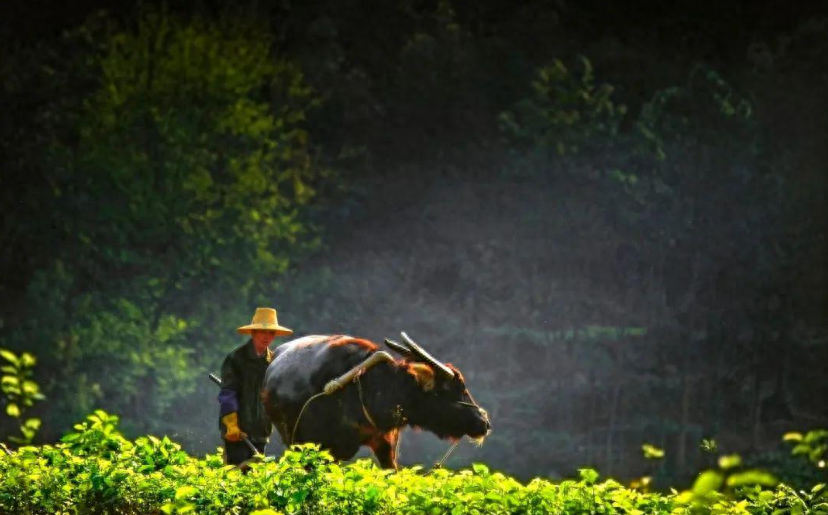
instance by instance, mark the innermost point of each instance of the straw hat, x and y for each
(265, 320)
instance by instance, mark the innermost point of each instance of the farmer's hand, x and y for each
(231, 423)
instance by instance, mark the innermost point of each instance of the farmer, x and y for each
(241, 410)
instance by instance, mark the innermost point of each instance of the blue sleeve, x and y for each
(228, 397)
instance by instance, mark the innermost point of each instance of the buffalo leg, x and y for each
(385, 449)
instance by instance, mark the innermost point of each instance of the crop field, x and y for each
(96, 470)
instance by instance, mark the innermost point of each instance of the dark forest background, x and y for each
(611, 216)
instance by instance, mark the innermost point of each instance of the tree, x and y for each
(175, 181)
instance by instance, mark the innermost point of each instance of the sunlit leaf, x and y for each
(751, 477)
(27, 360)
(12, 410)
(10, 381)
(480, 469)
(9, 356)
(708, 481)
(651, 452)
(588, 475)
(184, 492)
(709, 445)
(792, 437)
(730, 461)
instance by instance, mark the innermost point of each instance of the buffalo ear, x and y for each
(424, 375)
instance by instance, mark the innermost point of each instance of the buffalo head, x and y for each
(441, 404)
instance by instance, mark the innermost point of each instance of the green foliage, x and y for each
(712, 488)
(662, 192)
(96, 470)
(567, 112)
(730, 461)
(201, 127)
(695, 113)
(652, 452)
(789, 469)
(178, 172)
(19, 392)
(97, 436)
(813, 445)
(664, 220)
(709, 445)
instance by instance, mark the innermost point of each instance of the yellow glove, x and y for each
(231, 423)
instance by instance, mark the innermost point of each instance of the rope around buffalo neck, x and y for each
(296, 425)
(361, 401)
(299, 418)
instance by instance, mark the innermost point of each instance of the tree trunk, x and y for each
(591, 420)
(756, 401)
(685, 420)
(616, 393)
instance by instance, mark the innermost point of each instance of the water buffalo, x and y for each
(368, 408)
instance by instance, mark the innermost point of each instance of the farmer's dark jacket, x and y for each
(242, 374)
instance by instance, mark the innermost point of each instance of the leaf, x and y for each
(730, 461)
(752, 477)
(30, 388)
(707, 482)
(12, 410)
(815, 436)
(684, 497)
(185, 492)
(588, 475)
(709, 445)
(10, 381)
(817, 452)
(792, 437)
(9, 356)
(651, 452)
(27, 360)
(480, 469)
(801, 449)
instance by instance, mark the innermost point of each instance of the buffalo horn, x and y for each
(396, 347)
(428, 358)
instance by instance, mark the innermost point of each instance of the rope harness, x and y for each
(293, 434)
(370, 419)
(361, 401)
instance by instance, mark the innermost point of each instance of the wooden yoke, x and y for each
(347, 377)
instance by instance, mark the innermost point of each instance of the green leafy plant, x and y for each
(19, 392)
(813, 444)
(714, 487)
(709, 445)
(96, 470)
